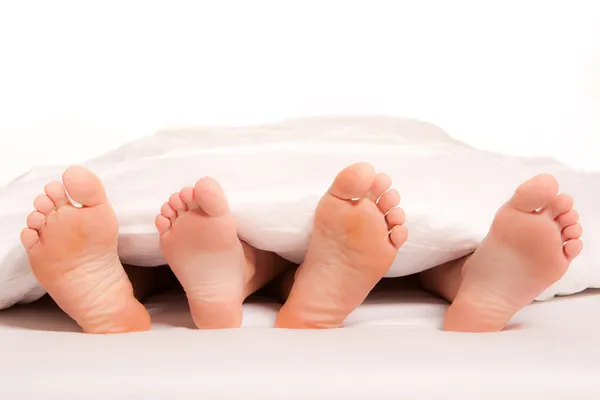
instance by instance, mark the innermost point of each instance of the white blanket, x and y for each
(274, 175)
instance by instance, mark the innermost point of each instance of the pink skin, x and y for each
(73, 254)
(530, 245)
(198, 237)
(356, 235)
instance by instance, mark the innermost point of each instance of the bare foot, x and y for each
(73, 254)
(199, 241)
(531, 242)
(353, 245)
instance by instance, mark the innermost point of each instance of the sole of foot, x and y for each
(198, 237)
(357, 231)
(529, 247)
(73, 254)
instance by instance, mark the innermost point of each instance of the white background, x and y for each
(78, 78)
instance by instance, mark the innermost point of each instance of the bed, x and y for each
(391, 347)
(522, 90)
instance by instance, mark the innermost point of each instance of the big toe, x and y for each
(211, 197)
(83, 186)
(353, 182)
(534, 194)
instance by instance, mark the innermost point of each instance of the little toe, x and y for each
(56, 192)
(561, 204)
(569, 218)
(84, 187)
(29, 238)
(534, 194)
(43, 204)
(388, 200)
(572, 232)
(353, 182)
(36, 220)
(398, 235)
(163, 224)
(188, 198)
(381, 184)
(177, 204)
(573, 248)
(395, 216)
(167, 211)
(211, 197)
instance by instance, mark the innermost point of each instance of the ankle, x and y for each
(261, 268)
(444, 280)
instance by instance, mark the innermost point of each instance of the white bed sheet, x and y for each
(393, 350)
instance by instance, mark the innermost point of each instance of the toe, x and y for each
(569, 218)
(163, 224)
(572, 232)
(353, 182)
(534, 194)
(29, 238)
(381, 184)
(398, 235)
(56, 192)
(36, 220)
(395, 217)
(167, 211)
(188, 198)
(176, 203)
(573, 248)
(561, 204)
(211, 197)
(43, 204)
(388, 200)
(84, 187)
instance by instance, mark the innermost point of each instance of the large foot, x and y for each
(356, 235)
(199, 240)
(531, 242)
(73, 254)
